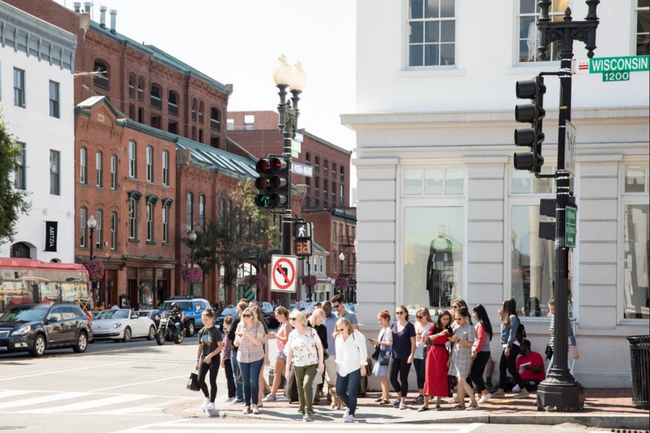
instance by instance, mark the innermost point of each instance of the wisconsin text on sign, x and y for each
(620, 64)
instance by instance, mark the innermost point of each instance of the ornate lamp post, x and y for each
(92, 224)
(295, 80)
(192, 238)
(341, 259)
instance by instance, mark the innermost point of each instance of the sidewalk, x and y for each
(605, 408)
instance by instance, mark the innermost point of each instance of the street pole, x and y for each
(560, 391)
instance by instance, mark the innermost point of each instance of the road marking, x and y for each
(13, 393)
(64, 371)
(41, 400)
(90, 404)
(138, 383)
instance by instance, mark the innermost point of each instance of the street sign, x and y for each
(283, 274)
(302, 169)
(612, 68)
(570, 148)
(571, 216)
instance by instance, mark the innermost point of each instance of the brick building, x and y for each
(142, 81)
(125, 179)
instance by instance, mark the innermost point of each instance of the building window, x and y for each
(200, 136)
(249, 122)
(334, 237)
(335, 260)
(307, 158)
(201, 110)
(83, 166)
(529, 13)
(19, 88)
(325, 189)
(230, 124)
(532, 282)
(133, 218)
(132, 80)
(636, 178)
(83, 217)
(434, 181)
(432, 33)
(202, 212)
(114, 231)
(637, 239)
(317, 164)
(141, 86)
(133, 159)
(149, 222)
(55, 167)
(99, 170)
(433, 256)
(190, 211)
(215, 119)
(114, 172)
(172, 103)
(165, 224)
(20, 175)
(99, 244)
(54, 100)
(149, 160)
(156, 96)
(642, 28)
(100, 78)
(342, 177)
(193, 109)
(334, 170)
(326, 167)
(523, 182)
(165, 167)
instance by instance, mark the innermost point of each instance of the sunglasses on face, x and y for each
(455, 307)
(292, 318)
(336, 306)
(246, 316)
(399, 313)
(419, 317)
(341, 330)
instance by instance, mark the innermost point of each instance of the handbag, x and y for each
(384, 357)
(369, 367)
(193, 382)
(549, 351)
(375, 354)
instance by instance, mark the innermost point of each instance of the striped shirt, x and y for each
(572, 336)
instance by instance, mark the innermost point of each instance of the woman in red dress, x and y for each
(435, 384)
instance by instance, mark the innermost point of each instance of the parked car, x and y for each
(34, 328)
(193, 308)
(154, 315)
(303, 307)
(229, 311)
(267, 308)
(352, 308)
(123, 324)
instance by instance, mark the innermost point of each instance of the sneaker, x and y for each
(307, 417)
(210, 406)
(255, 410)
(269, 398)
(499, 394)
(346, 413)
(418, 400)
(516, 389)
(239, 400)
(246, 410)
(206, 402)
(349, 418)
(485, 398)
(522, 394)
(402, 406)
(230, 399)
(396, 403)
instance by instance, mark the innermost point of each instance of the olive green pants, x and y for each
(304, 379)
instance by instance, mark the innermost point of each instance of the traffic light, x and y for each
(530, 113)
(273, 183)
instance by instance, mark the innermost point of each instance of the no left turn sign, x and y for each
(283, 270)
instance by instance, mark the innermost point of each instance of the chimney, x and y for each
(87, 6)
(77, 7)
(113, 13)
(102, 16)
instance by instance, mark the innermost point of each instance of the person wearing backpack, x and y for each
(510, 328)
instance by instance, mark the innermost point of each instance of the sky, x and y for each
(238, 42)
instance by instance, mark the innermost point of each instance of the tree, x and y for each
(242, 232)
(12, 201)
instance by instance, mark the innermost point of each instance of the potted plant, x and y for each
(192, 275)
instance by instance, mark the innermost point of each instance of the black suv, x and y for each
(35, 327)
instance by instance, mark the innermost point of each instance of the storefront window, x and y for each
(523, 182)
(635, 178)
(532, 259)
(637, 298)
(433, 256)
(434, 181)
(145, 295)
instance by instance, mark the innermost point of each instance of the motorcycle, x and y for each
(170, 328)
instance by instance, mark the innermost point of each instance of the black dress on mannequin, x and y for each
(440, 260)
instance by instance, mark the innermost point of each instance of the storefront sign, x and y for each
(51, 233)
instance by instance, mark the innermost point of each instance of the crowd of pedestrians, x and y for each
(450, 352)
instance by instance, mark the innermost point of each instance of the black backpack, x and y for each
(521, 333)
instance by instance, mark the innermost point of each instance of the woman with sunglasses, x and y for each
(511, 348)
(461, 358)
(384, 342)
(351, 362)
(402, 354)
(423, 324)
(436, 384)
(250, 356)
(281, 338)
(481, 350)
(305, 350)
(255, 308)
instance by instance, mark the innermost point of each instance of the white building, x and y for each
(36, 98)
(442, 214)
(316, 265)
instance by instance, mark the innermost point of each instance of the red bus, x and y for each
(27, 280)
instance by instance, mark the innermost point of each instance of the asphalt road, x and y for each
(126, 387)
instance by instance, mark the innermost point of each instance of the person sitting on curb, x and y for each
(531, 368)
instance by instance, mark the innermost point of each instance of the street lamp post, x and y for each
(192, 238)
(295, 80)
(92, 224)
(341, 258)
(560, 391)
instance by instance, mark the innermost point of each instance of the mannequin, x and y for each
(440, 262)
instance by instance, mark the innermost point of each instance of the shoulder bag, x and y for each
(193, 382)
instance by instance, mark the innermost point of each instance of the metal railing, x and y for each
(156, 102)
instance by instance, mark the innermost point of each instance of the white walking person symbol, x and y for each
(301, 231)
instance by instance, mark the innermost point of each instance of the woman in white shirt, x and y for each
(351, 362)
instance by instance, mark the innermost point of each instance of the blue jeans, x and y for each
(346, 388)
(235, 367)
(250, 374)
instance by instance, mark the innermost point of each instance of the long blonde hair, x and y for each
(250, 311)
(318, 314)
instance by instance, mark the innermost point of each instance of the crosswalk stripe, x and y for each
(13, 393)
(90, 404)
(41, 400)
